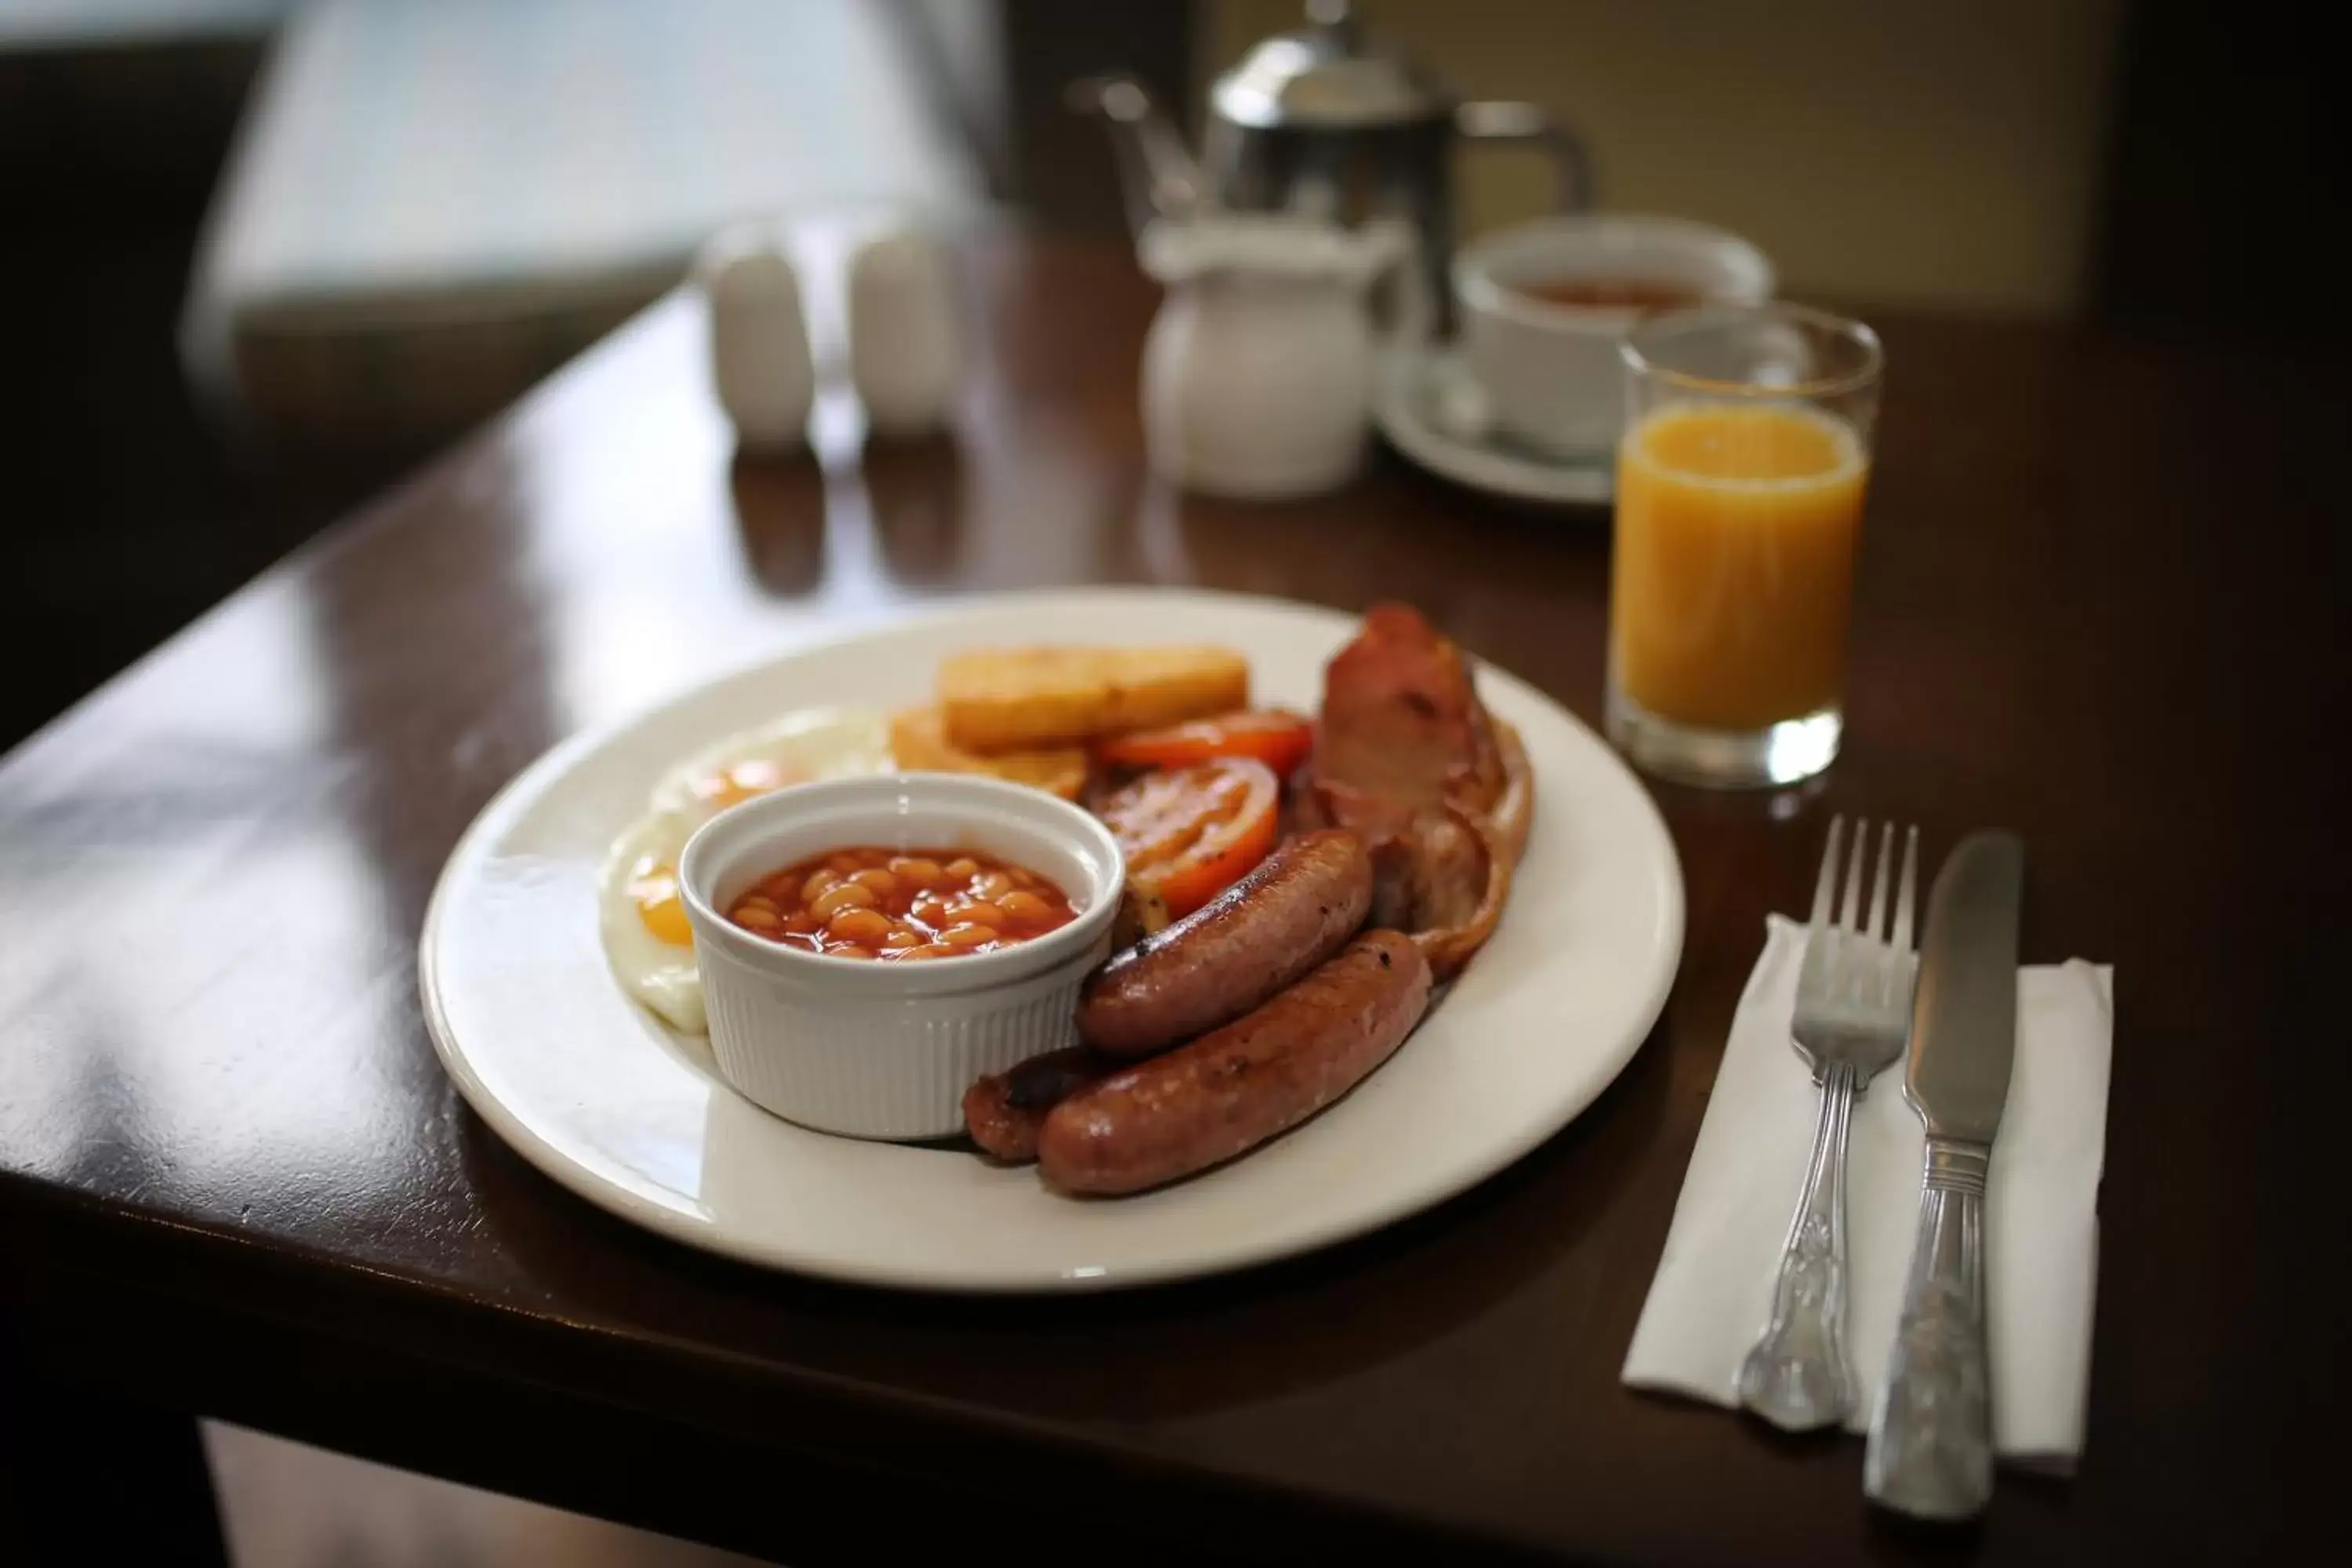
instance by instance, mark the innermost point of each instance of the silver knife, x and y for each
(1930, 1450)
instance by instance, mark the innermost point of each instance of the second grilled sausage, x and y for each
(1229, 1091)
(1258, 936)
(1003, 1112)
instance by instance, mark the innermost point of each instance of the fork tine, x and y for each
(1876, 927)
(1851, 906)
(1825, 887)
(1905, 893)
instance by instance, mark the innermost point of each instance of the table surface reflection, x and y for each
(2095, 606)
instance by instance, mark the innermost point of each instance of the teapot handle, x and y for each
(1503, 121)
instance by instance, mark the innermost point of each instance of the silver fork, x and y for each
(1853, 1012)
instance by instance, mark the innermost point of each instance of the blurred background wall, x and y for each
(2166, 168)
(1905, 152)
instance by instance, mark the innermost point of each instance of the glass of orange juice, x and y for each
(1739, 485)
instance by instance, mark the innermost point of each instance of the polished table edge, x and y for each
(108, 1295)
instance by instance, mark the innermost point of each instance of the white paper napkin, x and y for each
(1714, 1285)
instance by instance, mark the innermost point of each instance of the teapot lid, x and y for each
(1329, 75)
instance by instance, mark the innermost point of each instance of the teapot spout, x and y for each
(1156, 170)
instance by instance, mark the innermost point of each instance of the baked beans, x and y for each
(901, 904)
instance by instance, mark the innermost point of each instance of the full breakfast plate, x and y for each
(579, 1047)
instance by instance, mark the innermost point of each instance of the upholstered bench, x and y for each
(432, 205)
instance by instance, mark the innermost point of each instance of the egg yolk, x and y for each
(654, 888)
(741, 781)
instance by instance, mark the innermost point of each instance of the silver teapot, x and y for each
(1326, 123)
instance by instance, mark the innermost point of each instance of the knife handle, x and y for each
(1930, 1449)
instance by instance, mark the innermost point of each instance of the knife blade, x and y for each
(1963, 1013)
(1930, 1449)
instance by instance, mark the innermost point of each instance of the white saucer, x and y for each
(1432, 410)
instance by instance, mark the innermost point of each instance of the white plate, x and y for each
(593, 1091)
(1416, 390)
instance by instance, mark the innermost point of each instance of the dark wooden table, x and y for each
(2099, 602)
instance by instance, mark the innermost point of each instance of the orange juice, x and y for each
(1734, 562)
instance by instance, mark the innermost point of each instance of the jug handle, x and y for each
(1411, 313)
(1503, 121)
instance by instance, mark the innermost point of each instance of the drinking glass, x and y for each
(1740, 487)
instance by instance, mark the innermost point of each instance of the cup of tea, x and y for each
(1544, 306)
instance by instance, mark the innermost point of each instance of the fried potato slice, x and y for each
(919, 743)
(998, 700)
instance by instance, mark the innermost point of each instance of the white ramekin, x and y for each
(877, 1049)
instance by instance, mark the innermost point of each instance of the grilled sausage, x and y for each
(1230, 1090)
(1216, 964)
(1002, 1112)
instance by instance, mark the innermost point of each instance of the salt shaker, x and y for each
(760, 357)
(905, 343)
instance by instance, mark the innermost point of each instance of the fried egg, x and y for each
(647, 941)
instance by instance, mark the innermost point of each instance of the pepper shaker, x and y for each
(906, 341)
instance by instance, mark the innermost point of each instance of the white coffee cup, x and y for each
(1550, 371)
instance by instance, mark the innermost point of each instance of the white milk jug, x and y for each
(1257, 375)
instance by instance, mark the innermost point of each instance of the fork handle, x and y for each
(1930, 1449)
(1796, 1375)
